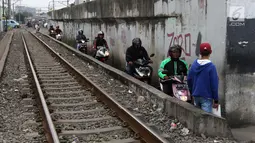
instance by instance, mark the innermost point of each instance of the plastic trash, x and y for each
(216, 111)
(75, 140)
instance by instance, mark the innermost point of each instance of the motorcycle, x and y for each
(83, 46)
(59, 37)
(179, 86)
(102, 53)
(53, 33)
(143, 71)
(37, 28)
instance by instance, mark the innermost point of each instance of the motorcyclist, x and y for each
(80, 37)
(100, 41)
(37, 27)
(134, 52)
(58, 30)
(174, 65)
(51, 28)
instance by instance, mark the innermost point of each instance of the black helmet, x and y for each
(136, 42)
(175, 48)
(80, 32)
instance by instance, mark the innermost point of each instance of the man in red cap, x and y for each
(203, 80)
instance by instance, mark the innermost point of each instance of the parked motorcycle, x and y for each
(83, 46)
(179, 86)
(102, 53)
(53, 33)
(143, 71)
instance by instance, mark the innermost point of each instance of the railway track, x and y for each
(75, 108)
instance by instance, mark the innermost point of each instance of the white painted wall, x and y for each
(207, 17)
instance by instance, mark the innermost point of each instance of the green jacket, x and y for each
(173, 67)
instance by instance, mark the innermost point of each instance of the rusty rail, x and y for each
(50, 126)
(144, 131)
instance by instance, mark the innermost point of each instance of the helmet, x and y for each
(51, 26)
(175, 48)
(80, 32)
(57, 27)
(136, 42)
(100, 33)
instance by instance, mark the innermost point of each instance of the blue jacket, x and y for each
(203, 79)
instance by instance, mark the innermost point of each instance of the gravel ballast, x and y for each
(129, 99)
(81, 111)
(16, 124)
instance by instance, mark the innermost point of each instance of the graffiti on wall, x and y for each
(123, 37)
(184, 40)
(201, 3)
(197, 45)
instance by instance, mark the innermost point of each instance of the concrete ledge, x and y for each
(193, 118)
(115, 9)
(4, 53)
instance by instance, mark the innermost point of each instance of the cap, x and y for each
(205, 47)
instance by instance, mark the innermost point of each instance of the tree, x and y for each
(22, 16)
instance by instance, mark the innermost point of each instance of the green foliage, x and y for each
(22, 16)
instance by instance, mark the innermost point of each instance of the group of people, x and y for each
(99, 40)
(57, 30)
(202, 77)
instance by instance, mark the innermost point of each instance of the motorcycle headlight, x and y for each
(145, 70)
(184, 98)
(139, 72)
(107, 53)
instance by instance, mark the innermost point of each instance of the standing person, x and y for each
(203, 80)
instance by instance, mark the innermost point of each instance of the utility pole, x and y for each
(19, 11)
(4, 16)
(13, 11)
(9, 9)
(53, 9)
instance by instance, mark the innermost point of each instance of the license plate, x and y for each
(181, 86)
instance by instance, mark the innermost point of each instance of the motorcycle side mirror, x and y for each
(152, 55)
(165, 72)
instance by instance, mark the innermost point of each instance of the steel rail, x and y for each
(146, 133)
(53, 133)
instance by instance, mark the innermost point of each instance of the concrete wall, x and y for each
(161, 23)
(240, 89)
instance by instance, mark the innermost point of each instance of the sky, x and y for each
(41, 3)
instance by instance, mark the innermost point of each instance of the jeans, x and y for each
(167, 88)
(204, 103)
(78, 46)
(130, 69)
